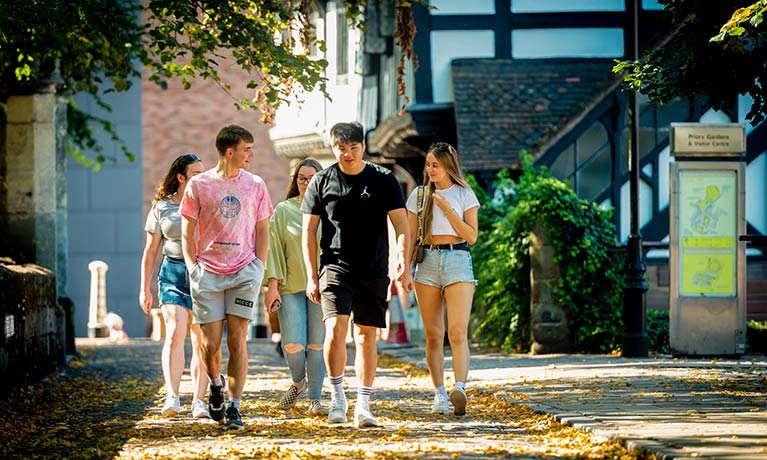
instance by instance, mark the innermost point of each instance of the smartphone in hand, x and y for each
(276, 305)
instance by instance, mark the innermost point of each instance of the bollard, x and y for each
(397, 330)
(97, 307)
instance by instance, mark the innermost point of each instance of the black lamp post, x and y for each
(634, 287)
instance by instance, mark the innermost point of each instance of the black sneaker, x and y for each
(216, 405)
(233, 420)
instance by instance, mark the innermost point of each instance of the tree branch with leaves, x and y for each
(99, 46)
(718, 51)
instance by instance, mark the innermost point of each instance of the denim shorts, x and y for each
(442, 268)
(173, 283)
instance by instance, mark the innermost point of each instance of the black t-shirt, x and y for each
(353, 212)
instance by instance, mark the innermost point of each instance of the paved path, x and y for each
(402, 402)
(678, 408)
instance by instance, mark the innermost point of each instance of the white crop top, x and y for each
(461, 199)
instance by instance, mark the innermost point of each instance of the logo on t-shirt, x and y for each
(365, 193)
(229, 206)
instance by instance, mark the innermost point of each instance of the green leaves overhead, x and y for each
(719, 51)
(99, 46)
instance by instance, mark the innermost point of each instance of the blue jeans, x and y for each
(301, 324)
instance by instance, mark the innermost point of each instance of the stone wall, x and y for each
(32, 329)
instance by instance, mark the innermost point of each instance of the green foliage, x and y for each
(756, 337)
(591, 277)
(85, 46)
(657, 327)
(98, 46)
(718, 52)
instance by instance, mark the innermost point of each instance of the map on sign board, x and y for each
(707, 232)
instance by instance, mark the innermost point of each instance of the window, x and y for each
(586, 164)
(342, 45)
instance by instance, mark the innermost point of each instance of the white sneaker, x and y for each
(441, 404)
(458, 398)
(316, 408)
(364, 419)
(172, 406)
(199, 410)
(338, 408)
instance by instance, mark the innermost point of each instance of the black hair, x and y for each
(344, 133)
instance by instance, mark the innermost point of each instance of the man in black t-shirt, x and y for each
(353, 199)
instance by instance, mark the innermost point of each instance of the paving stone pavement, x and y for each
(677, 408)
(402, 403)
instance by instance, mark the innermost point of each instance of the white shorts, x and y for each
(214, 296)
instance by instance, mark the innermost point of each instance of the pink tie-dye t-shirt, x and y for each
(226, 211)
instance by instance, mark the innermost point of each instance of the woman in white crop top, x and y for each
(444, 280)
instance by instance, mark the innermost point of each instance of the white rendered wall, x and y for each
(645, 208)
(453, 44)
(756, 191)
(565, 43)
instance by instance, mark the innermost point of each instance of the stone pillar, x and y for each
(551, 331)
(33, 204)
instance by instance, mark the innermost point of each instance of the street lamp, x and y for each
(634, 287)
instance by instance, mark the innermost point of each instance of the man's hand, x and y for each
(406, 280)
(313, 289)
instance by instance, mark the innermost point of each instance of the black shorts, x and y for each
(346, 294)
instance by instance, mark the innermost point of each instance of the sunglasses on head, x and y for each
(191, 157)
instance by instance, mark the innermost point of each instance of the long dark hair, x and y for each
(170, 184)
(447, 157)
(293, 187)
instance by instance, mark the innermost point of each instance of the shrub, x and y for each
(657, 326)
(590, 286)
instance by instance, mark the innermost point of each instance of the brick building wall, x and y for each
(177, 121)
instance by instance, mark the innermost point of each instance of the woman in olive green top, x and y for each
(301, 325)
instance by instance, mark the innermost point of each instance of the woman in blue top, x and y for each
(445, 278)
(163, 229)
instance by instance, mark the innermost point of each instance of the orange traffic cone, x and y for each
(397, 330)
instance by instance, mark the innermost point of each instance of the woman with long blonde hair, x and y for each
(444, 280)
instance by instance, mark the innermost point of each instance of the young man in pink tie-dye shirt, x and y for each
(225, 237)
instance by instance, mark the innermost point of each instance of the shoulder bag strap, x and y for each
(419, 240)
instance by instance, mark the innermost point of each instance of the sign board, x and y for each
(708, 233)
(703, 139)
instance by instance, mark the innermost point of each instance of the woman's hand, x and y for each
(145, 300)
(269, 298)
(442, 202)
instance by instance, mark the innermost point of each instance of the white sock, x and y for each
(337, 386)
(460, 385)
(363, 398)
(235, 403)
(216, 382)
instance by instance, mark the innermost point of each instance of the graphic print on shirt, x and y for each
(365, 193)
(229, 207)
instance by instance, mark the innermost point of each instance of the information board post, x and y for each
(707, 262)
